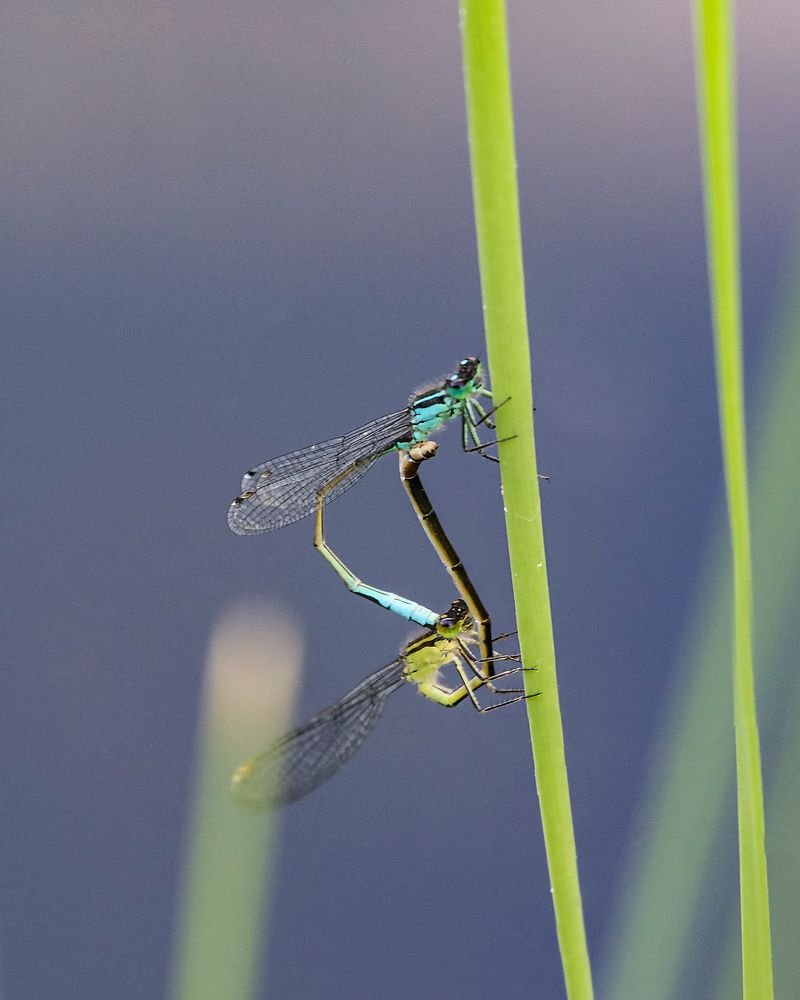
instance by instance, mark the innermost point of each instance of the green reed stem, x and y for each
(717, 115)
(493, 161)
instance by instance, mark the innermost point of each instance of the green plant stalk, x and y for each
(491, 139)
(784, 800)
(230, 851)
(776, 556)
(717, 119)
(219, 945)
(653, 940)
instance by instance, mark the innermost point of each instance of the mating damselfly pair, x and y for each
(300, 483)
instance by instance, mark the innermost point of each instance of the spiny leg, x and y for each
(468, 433)
(505, 635)
(480, 445)
(485, 415)
(473, 664)
(470, 689)
(469, 425)
(449, 697)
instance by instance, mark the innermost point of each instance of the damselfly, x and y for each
(287, 488)
(310, 754)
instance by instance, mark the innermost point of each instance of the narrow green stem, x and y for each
(717, 112)
(491, 139)
(230, 851)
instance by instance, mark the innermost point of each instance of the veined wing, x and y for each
(296, 764)
(284, 489)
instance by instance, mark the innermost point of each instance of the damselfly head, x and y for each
(466, 379)
(456, 619)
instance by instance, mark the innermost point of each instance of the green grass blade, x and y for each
(784, 800)
(717, 115)
(491, 139)
(783, 796)
(776, 558)
(674, 836)
(682, 819)
(253, 664)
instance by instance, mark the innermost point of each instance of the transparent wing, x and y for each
(296, 764)
(284, 489)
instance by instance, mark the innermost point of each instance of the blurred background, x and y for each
(236, 229)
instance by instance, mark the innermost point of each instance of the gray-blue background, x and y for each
(233, 229)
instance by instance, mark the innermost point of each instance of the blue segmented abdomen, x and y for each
(402, 606)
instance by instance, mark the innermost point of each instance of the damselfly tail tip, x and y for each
(246, 792)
